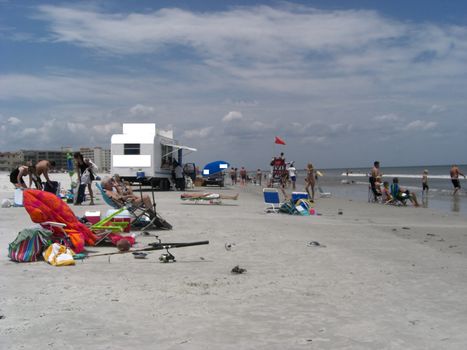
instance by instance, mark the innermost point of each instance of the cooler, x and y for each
(299, 195)
(124, 216)
(93, 216)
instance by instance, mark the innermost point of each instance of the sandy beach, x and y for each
(384, 277)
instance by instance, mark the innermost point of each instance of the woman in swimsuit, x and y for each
(16, 176)
(310, 181)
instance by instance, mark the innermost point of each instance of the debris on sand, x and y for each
(238, 270)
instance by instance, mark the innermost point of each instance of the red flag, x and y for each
(279, 141)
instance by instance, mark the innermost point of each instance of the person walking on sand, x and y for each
(243, 176)
(292, 174)
(310, 181)
(455, 172)
(232, 175)
(259, 176)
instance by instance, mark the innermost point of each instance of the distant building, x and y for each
(34, 156)
(100, 157)
(10, 160)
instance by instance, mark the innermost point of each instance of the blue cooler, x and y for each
(299, 195)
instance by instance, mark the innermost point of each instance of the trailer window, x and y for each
(131, 148)
(167, 157)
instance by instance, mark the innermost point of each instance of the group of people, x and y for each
(395, 192)
(234, 174)
(284, 173)
(84, 168)
(389, 194)
(34, 172)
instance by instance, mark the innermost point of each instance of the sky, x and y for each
(343, 83)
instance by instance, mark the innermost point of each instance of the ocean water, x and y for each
(439, 196)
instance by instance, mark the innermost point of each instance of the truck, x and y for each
(145, 154)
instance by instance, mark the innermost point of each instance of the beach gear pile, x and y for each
(304, 207)
(59, 234)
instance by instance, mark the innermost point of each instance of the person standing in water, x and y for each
(425, 186)
(454, 173)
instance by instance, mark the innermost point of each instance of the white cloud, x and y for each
(140, 109)
(387, 118)
(436, 109)
(231, 116)
(420, 125)
(198, 133)
(14, 121)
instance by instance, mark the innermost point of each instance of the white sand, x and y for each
(376, 284)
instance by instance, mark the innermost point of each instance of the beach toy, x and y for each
(312, 211)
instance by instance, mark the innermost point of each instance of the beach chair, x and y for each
(397, 197)
(271, 200)
(322, 193)
(144, 219)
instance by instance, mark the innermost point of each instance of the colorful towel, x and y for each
(44, 206)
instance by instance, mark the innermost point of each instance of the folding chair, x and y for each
(143, 217)
(322, 193)
(271, 200)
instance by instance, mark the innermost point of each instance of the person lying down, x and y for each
(206, 196)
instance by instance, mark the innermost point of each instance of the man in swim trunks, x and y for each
(43, 167)
(455, 172)
(375, 172)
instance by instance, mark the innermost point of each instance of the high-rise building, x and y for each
(100, 157)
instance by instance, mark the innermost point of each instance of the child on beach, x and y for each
(386, 193)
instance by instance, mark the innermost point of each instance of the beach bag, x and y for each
(52, 187)
(29, 244)
(59, 255)
(86, 177)
(303, 206)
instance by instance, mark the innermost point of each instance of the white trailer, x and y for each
(144, 150)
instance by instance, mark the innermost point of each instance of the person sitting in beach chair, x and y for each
(141, 207)
(386, 195)
(401, 194)
(110, 188)
(213, 198)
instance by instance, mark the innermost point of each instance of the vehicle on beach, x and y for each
(214, 173)
(145, 154)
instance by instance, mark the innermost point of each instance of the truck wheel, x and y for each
(155, 183)
(164, 185)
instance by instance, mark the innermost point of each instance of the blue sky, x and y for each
(342, 82)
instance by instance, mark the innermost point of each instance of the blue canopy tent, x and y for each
(213, 173)
(215, 167)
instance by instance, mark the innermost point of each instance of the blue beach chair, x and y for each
(271, 200)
